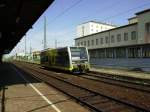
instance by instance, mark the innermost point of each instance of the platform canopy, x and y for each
(16, 18)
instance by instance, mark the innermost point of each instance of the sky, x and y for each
(63, 16)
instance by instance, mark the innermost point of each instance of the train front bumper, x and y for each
(81, 68)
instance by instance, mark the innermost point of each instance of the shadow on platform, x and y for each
(9, 76)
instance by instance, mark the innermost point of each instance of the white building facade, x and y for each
(92, 27)
(120, 43)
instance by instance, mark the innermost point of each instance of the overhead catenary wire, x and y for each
(119, 14)
(75, 4)
(124, 12)
(104, 19)
(65, 11)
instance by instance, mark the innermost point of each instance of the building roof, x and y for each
(144, 11)
(99, 23)
(46, 49)
(36, 52)
(16, 18)
(132, 18)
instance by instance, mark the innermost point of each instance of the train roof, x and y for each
(60, 48)
(36, 52)
(46, 49)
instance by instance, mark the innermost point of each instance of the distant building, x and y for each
(92, 27)
(126, 42)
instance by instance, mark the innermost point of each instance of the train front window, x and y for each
(78, 53)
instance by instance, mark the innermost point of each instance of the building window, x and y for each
(133, 35)
(146, 52)
(147, 25)
(112, 39)
(109, 52)
(81, 43)
(125, 36)
(91, 29)
(82, 30)
(88, 43)
(96, 30)
(118, 37)
(120, 52)
(133, 52)
(96, 41)
(84, 43)
(92, 42)
(101, 41)
(78, 44)
(106, 39)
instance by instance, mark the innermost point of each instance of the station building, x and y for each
(127, 45)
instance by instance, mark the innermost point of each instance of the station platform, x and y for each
(19, 92)
(122, 72)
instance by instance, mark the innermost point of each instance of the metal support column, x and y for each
(25, 46)
(45, 41)
(141, 52)
(0, 58)
(114, 53)
(105, 53)
(126, 52)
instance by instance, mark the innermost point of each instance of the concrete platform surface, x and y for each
(20, 92)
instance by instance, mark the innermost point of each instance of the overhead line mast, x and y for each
(25, 47)
(45, 41)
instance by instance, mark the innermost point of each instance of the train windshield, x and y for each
(78, 53)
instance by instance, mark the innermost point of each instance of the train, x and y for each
(72, 59)
(33, 57)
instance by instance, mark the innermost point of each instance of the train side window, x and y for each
(62, 58)
(44, 58)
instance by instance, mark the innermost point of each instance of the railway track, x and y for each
(127, 82)
(96, 100)
(127, 79)
(117, 81)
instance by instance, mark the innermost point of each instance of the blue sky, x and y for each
(63, 16)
